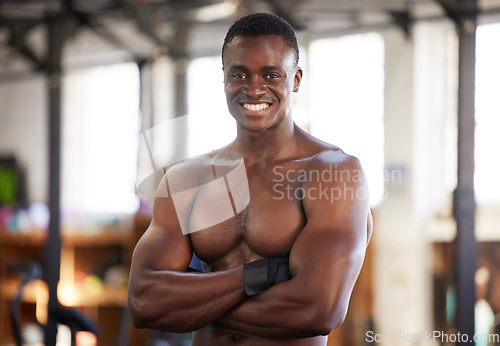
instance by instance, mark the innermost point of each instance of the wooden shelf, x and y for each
(8, 290)
(82, 253)
(22, 239)
(106, 237)
(36, 291)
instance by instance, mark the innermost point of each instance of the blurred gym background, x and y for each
(410, 87)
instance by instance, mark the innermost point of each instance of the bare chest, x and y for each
(266, 227)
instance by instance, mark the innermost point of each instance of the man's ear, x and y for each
(297, 79)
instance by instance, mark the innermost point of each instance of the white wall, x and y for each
(420, 125)
(24, 131)
(399, 294)
(24, 101)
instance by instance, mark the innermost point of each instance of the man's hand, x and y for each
(260, 275)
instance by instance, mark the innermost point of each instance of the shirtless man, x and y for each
(308, 217)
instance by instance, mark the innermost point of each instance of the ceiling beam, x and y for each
(459, 11)
(285, 13)
(103, 32)
(356, 5)
(18, 30)
(402, 20)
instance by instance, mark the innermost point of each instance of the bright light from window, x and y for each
(347, 100)
(101, 123)
(210, 125)
(487, 182)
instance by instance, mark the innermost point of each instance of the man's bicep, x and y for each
(326, 255)
(163, 246)
(332, 244)
(326, 262)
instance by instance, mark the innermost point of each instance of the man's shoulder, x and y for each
(332, 167)
(332, 176)
(190, 166)
(329, 165)
(204, 168)
(326, 155)
(187, 174)
(334, 158)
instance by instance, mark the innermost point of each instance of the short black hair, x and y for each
(258, 24)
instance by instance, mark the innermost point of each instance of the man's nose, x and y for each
(254, 88)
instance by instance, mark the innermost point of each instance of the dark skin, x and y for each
(325, 236)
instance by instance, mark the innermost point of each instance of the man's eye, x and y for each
(239, 76)
(272, 75)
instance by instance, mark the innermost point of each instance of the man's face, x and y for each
(260, 76)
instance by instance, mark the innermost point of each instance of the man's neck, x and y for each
(272, 144)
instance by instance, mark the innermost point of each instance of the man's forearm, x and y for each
(277, 314)
(182, 302)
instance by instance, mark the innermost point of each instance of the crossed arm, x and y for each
(161, 294)
(325, 261)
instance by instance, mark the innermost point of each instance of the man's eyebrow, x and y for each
(263, 68)
(271, 68)
(238, 67)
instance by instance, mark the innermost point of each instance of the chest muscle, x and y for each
(267, 227)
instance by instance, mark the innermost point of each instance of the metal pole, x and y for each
(181, 60)
(179, 54)
(57, 33)
(464, 201)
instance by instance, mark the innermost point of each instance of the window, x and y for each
(487, 184)
(101, 123)
(210, 125)
(347, 100)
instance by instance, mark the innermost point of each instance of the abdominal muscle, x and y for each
(218, 334)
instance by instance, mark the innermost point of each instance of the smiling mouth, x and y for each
(255, 107)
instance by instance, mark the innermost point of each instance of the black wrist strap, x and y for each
(255, 277)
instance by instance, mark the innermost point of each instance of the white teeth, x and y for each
(258, 107)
